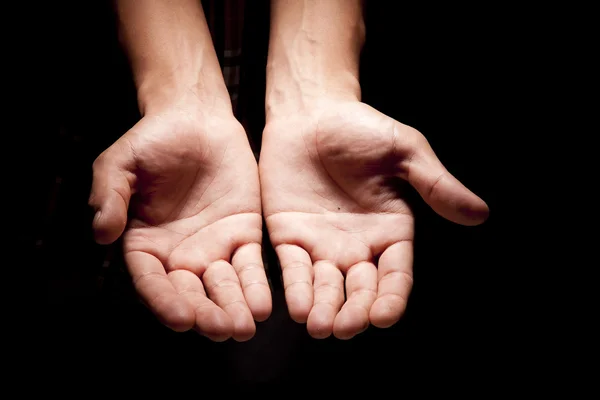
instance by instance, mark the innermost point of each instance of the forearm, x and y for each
(314, 52)
(171, 53)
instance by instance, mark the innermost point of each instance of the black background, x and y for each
(443, 70)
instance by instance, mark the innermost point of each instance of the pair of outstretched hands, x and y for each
(184, 190)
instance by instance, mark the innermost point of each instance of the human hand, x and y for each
(333, 182)
(192, 242)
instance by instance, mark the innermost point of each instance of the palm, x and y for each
(192, 243)
(333, 201)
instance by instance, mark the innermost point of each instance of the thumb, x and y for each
(442, 191)
(110, 195)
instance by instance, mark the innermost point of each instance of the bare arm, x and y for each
(181, 186)
(333, 174)
(314, 52)
(171, 53)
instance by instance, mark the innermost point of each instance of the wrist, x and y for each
(314, 53)
(288, 94)
(171, 54)
(169, 90)
(182, 111)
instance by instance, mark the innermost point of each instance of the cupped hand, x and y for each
(182, 187)
(333, 183)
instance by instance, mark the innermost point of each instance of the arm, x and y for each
(334, 175)
(313, 72)
(314, 52)
(181, 186)
(171, 53)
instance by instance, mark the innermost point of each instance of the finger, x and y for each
(156, 290)
(329, 297)
(247, 262)
(211, 321)
(442, 191)
(394, 284)
(223, 287)
(110, 195)
(361, 292)
(297, 271)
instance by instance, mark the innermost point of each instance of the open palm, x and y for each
(332, 187)
(192, 242)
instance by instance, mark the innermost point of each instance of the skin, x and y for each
(181, 187)
(334, 174)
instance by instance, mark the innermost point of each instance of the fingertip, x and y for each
(259, 302)
(177, 315)
(446, 195)
(244, 331)
(343, 335)
(299, 312)
(347, 325)
(217, 326)
(381, 321)
(475, 214)
(319, 332)
(243, 323)
(463, 208)
(384, 314)
(470, 210)
(319, 325)
(299, 307)
(261, 311)
(101, 235)
(108, 226)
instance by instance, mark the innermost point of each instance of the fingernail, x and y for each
(475, 214)
(97, 217)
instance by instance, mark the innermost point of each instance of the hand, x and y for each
(333, 183)
(193, 241)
